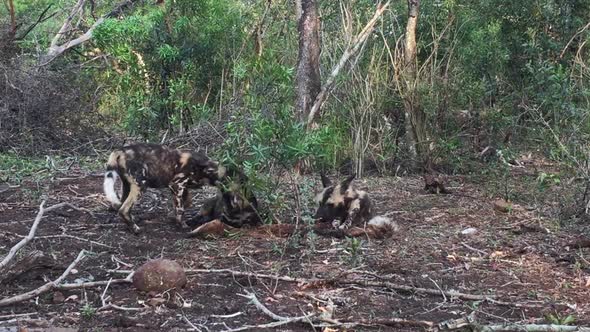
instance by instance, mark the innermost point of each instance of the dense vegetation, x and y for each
(507, 75)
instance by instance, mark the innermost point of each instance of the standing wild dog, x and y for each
(142, 166)
(234, 204)
(344, 206)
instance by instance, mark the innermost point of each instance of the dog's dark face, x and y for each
(200, 170)
(334, 200)
(234, 204)
(239, 207)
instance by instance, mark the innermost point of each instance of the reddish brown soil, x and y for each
(519, 264)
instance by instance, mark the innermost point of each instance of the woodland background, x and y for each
(492, 98)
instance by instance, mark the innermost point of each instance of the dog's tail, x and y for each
(116, 162)
(384, 223)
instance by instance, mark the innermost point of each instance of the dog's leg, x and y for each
(353, 214)
(126, 189)
(133, 191)
(180, 196)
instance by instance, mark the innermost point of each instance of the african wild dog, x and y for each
(234, 204)
(150, 165)
(344, 206)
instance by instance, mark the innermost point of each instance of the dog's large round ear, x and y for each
(326, 182)
(346, 183)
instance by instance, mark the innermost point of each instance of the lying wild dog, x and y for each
(142, 166)
(344, 206)
(234, 205)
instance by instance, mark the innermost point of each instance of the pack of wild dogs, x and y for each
(346, 210)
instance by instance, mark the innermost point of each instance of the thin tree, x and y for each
(12, 19)
(307, 81)
(417, 134)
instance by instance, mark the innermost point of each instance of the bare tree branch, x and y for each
(349, 52)
(33, 230)
(42, 18)
(45, 288)
(56, 50)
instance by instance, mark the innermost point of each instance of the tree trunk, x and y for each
(307, 80)
(417, 134)
(12, 19)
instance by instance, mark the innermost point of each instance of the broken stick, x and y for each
(45, 288)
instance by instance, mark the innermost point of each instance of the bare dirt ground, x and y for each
(522, 258)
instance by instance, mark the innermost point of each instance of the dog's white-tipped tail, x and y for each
(110, 178)
(384, 222)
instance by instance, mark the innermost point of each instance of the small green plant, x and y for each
(557, 319)
(88, 311)
(277, 249)
(353, 248)
(546, 180)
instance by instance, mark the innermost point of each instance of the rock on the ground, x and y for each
(159, 275)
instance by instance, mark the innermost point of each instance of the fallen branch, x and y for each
(429, 291)
(339, 281)
(530, 328)
(45, 288)
(30, 261)
(105, 298)
(53, 236)
(18, 315)
(33, 230)
(317, 320)
(90, 284)
(234, 273)
(279, 320)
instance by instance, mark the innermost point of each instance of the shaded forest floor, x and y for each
(524, 258)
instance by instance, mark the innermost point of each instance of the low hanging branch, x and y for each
(348, 53)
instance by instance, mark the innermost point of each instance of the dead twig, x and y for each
(33, 230)
(90, 284)
(53, 236)
(105, 298)
(530, 328)
(429, 291)
(279, 320)
(308, 283)
(18, 315)
(45, 288)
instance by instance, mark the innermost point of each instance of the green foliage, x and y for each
(168, 62)
(353, 248)
(508, 64)
(557, 319)
(88, 311)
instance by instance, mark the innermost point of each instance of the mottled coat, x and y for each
(234, 204)
(342, 204)
(142, 166)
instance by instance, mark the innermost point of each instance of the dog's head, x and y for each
(200, 169)
(239, 202)
(334, 200)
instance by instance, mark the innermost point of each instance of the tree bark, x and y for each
(417, 133)
(12, 19)
(307, 80)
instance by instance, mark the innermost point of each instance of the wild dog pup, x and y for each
(234, 204)
(142, 166)
(344, 206)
